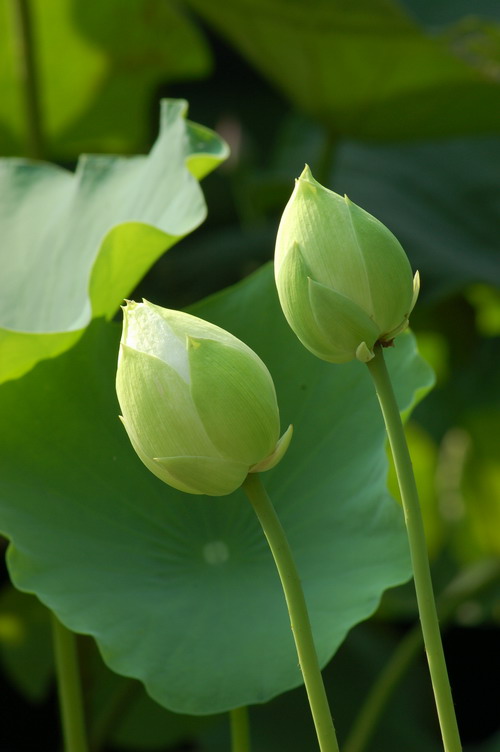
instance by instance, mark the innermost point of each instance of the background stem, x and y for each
(297, 609)
(111, 714)
(372, 708)
(468, 584)
(26, 67)
(240, 730)
(418, 551)
(69, 688)
(324, 164)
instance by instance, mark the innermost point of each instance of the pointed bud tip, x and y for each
(306, 173)
(306, 179)
(130, 305)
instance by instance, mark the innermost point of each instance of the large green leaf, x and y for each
(97, 66)
(74, 244)
(365, 68)
(181, 591)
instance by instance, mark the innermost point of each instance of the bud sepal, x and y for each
(199, 406)
(343, 279)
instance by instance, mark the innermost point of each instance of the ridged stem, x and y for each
(418, 551)
(297, 609)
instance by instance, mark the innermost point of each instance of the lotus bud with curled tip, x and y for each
(344, 281)
(199, 406)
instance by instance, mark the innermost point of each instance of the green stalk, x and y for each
(69, 688)
(26, 66)
(297, 609)
(240, 730)
(418, 550)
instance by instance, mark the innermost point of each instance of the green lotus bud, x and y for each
(343, 279)
(199, 406)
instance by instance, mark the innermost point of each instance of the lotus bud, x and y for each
(343, 279)
(199, 406)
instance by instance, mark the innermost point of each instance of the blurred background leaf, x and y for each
(25, 643)
(366, 69)
(75, 244)
(97, 66)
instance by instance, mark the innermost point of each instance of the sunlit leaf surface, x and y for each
(74, 244)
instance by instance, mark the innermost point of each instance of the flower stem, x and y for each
(297, 609)
(26, 66)
(240, 730)
(70, 694)
(418, 551)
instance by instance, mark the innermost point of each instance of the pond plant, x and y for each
(199, 493)
(200, 407)
(201, 411)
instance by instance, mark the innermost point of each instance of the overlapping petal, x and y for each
(343, 279)
(198, 405)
